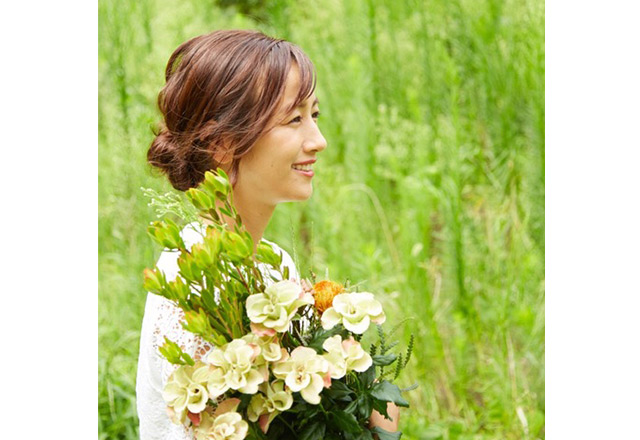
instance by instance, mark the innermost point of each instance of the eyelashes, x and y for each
(314, 115)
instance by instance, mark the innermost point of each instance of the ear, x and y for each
(223, 154)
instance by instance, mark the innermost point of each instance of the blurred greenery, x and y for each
(431, 190)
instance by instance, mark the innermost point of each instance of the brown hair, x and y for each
(221, 91)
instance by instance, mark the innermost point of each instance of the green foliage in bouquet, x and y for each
(286, 359)
(222, 263)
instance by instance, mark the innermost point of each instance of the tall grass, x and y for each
(431, 189)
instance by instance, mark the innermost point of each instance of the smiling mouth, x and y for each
(306, 167)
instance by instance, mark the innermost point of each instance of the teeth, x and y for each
(306, 167)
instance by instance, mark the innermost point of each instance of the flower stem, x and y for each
(288, 426)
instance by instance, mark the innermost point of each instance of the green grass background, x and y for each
(431, 189)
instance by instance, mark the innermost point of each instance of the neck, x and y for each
(255, 217)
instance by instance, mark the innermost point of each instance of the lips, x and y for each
(310, 161)
(305, 172)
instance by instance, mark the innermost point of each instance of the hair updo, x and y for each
(221, 91)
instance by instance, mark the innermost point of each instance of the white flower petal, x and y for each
(358, 327)
(330, 318)
(311, 393)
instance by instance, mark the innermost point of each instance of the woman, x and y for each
(244, 102)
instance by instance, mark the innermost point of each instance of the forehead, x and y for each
(293, 90)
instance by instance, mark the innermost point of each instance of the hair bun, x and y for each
(167, 153)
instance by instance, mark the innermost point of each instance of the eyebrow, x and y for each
(315, 101)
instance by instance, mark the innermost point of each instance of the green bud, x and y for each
(266, 254)
(202, 256)
(166, 233)
(189, 268)
(216, 187)
(178, 290)
(197, 322)
(220, 182)
(174, 354)
(199, 199)
(154, 281)
(155, 232)
(237, 247)
(213, 240)
(173, 238)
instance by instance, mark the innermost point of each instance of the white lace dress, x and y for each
(162, 318)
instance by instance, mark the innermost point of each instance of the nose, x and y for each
(314, 140)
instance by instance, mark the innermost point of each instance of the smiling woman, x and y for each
(278, 166)
(245, 103)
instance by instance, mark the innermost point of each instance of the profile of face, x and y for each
(269, 174)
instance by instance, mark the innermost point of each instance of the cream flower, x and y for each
(275, 308)
(234, 368)
(186, 391)
(271, 401)
(224, 424)
(345, 356)
(304, 371)
(355, 311)
(270, 350)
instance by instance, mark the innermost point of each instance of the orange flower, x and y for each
(324, 292)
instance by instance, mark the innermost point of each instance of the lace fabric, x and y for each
(163, 319)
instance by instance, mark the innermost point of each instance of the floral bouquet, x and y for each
(287, 359)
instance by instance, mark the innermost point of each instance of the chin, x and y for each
(301, 196)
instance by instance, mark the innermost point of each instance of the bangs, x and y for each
(271, 78)
(307, 76)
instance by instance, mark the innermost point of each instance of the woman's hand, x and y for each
(378, 419)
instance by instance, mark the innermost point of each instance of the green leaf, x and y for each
(345, 421)
(245, 399)
(320, 335)
(381, 407)
(339, 391)
(314, 431)
(365, 435)
(390, 346)
(386, 359)
(352, 407)
(389, 392)
(365, 406)
(410, 387)
(386, 435)
(174, 354)
(208, 299)
(368, 376)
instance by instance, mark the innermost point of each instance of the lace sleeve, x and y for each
(169, 325)
(162, 319)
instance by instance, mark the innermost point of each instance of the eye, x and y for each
(316, 115)
(296, 119)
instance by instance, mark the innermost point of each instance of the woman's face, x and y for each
(268, 174)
